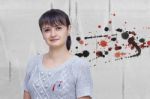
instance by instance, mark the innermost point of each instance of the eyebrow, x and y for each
(45, 27)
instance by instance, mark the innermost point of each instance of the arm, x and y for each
(26, 95)
(85, 97)
(84, 84)
(29, 69)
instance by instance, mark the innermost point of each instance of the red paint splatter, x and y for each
(148, 42)
(103, 43)
(123, 54)
(143, 45)
(117, 47)
(81, 42)
(117, 54)
(99, 54)
(109, 49)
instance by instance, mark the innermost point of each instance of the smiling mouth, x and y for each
(54, 39)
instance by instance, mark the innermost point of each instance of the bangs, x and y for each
(54, 18)
(53, 21)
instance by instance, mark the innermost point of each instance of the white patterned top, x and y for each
(70, 80)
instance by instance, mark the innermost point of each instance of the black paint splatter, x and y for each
(125, 35)
(86, 53)
(106, 52)
(119, 30)
(78, 38)
(106, 29)
(113, 39)
(142, 40)
(79, 54)
(131, 41)
(99, 36)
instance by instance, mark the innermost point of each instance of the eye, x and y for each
(58, 28)
(46, 30)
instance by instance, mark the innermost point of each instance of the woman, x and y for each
(57, 74)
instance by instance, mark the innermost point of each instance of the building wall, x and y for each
(120, 68)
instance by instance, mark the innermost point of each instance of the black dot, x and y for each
(76, 47)
(125, 35)
(142, 40)
(113, 39)
(106, 52)
(106, 29)
(119, 30)
(79, 54)
(78, 38)
(85, 53)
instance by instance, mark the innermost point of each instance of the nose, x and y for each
(53, 33)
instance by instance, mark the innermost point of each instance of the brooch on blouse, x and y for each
(57, 84)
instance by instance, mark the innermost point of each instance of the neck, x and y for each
(58, 53)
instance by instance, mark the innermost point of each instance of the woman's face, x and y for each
(55, 36)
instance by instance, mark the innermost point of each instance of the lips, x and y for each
(54, 39)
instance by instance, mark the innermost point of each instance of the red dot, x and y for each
(148, 42)
(81, 42)
(110, 49)
(103, 43)
(117, 54)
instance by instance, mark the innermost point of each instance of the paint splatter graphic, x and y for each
(119, 45)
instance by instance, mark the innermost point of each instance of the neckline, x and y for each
(43, 68)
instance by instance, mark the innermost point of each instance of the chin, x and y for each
(55, 45)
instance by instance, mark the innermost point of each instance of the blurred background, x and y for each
(113, 35)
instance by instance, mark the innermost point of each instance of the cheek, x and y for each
(45, 36)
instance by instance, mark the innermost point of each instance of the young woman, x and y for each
(57, 74)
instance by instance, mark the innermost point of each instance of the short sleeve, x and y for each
(27, 77)
(30, 65)
(84, 83)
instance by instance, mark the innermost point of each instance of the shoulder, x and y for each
(80, 64)
(32, 62)
(33, 59)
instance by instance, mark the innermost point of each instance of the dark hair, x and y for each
(56, 17)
